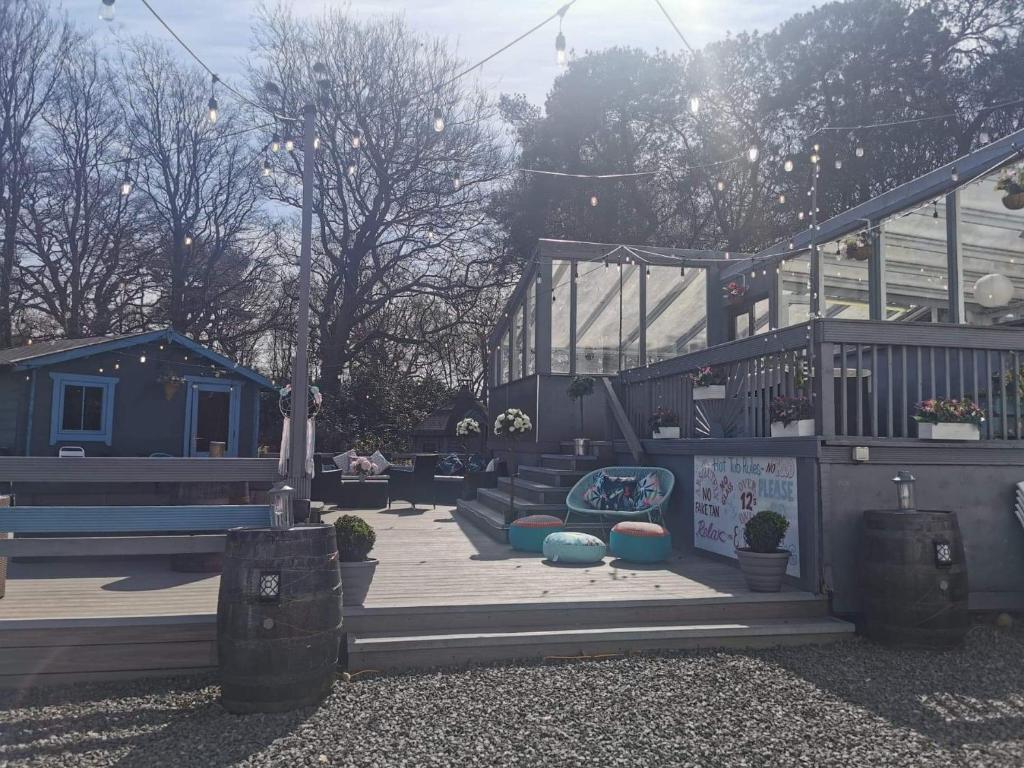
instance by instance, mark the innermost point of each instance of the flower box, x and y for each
(946, 430)
(798, 428)
(666, 433)
(710, 392)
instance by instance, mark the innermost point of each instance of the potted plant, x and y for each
(355, 540)
(791, 416)
(762, 562)
(708, 383)
(948, 419)
(664, 424)
(1012, 183)
(171, 380)
(855, 247)
(734, 292)
(512, 424)
(362, 467)
(580, 388)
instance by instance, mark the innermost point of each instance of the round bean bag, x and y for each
(638, 542)
(528, 533)
(570, 547)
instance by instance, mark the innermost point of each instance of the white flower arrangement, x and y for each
(512, 423)
(467, 427)
(363, 467)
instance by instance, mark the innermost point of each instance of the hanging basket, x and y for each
(859, 253)
(171, 389)
(1014, 201)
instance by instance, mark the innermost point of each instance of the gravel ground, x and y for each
(849, 704)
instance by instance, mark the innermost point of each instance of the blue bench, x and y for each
(137, 530)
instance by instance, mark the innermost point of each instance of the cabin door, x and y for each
(211, 417)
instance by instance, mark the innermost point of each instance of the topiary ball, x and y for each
(356, 538)
(765, 531)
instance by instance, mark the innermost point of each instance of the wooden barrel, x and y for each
(914, 578)
(278, 618)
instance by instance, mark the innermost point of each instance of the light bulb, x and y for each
(142, 358)
(593, 201)
(266, 168)
(438, 120)
(357, 139)
(457, 182)
(815, 158)
(838, 164)
(800, 215)
(752, 154)
(859, 151)
(289, 145)
(211, 105)
(782, 199)
(560, 55)
(107, 10)
(275, 143)
(126, 187)
(351, 168)
(721, 186)
(955, 174)
(694, 105)
(788, 166)
(188, 240)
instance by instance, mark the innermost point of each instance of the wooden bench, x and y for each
(165, 530)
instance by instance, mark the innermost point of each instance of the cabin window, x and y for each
(82, 408)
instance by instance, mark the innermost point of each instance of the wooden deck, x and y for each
(436, 572)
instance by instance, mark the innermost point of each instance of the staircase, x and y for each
(539, 490)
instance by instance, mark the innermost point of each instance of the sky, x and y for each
(220, 31)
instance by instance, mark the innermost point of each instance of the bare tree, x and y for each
(34, 46)
(401, 208)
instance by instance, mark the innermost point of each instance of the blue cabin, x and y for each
(143, 394)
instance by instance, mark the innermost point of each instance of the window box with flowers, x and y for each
(664, 424)
(1012, 183)
(949, 419)
(734, 292)
(791, 416)
(708, 383)
(855, 247)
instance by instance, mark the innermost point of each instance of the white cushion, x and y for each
(492, 465)
(378, 460)
(344, 460)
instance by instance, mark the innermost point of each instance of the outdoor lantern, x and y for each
(270, 586)
(943, 553)
(994, 290)
(560, 56)
(107, 10)
(904, 489)
(438, 120)
(281, 505)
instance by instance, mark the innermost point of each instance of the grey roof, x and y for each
(42, 348)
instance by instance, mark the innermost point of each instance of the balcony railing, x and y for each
(864, 379)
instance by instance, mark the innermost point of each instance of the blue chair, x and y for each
(577, 504)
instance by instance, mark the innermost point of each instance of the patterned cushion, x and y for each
(639, 529)
(612, 493)
(538, 521)
(648, 491)
(451, 465)
(344, 460)
(380, 462)
(476, 463)
(571, 547)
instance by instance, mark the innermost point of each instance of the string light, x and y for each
(352, 166)
(211, 105)
(752, 154)
(782, 199)
(316, 142)
(357, 139)
(694, 105)
(955, 174)
(438, 120)
(188, 239)
(815, 158)
(126, 186)
(266, 169)
(859, 151)
(593, 201)
(289, 144)
(275, 143)
(720, 185)
(788, 166)
(142, 358)
(107, 10)
(839, 164)
(560, 56)
(457, 181)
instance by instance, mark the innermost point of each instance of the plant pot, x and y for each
(798, 428)
(710, 392)
(1014, 201)
(666, 433)
(581, 446)
(859, 254)
(763, 570)
(948, 431)
(355, 581)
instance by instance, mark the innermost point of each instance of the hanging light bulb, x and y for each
(753, 153)
(935, 209)
(126, 186)
(352, 166)
(560, 55)
(211, 105)
(983, 137)
(289, 144)
(682, 270)
(955, 174)
(316, 142)
(800, 215)
(859, 151)
(357, 139)
(320, 73)
(815, 157)
(788, 166)
(266, 169)
(694, 105)
(457, 181)
(275, 143)
(107, 10)
(593, 201)
(839, 164)
(438, 120)
(188, 239)
(720, 185)
(782, 199)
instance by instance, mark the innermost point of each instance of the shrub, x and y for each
(580, 387)
(787, 409)
(356, 538)
(765, 531)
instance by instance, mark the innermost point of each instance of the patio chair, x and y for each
(415, 484)
(577, 504)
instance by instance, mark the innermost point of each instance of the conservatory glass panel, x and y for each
(598, 316)
(531, 329)
(630, 317)
(517, 342)
(795, 290)
(561, 279)
(844, 265)
(676, 313)
(992, 246)
(916, 265)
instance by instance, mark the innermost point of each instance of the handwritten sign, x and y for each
(729, 490)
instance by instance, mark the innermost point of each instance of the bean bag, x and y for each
(528, 533)
(571, 547)
(639, 542)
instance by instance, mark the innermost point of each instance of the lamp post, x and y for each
(297, 476)
(904, 490)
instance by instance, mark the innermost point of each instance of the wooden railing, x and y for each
(863, 377)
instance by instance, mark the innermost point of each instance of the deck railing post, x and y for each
(822, 355)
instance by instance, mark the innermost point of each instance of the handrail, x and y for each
(918, 334)
(122, 469)
(635, 448)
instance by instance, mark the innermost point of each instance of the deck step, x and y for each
(418, 651)
(487, 519)
(561, 478)
(581, 464)
(533, 491)
(498, 500)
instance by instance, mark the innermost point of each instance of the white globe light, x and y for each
(993, 290)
